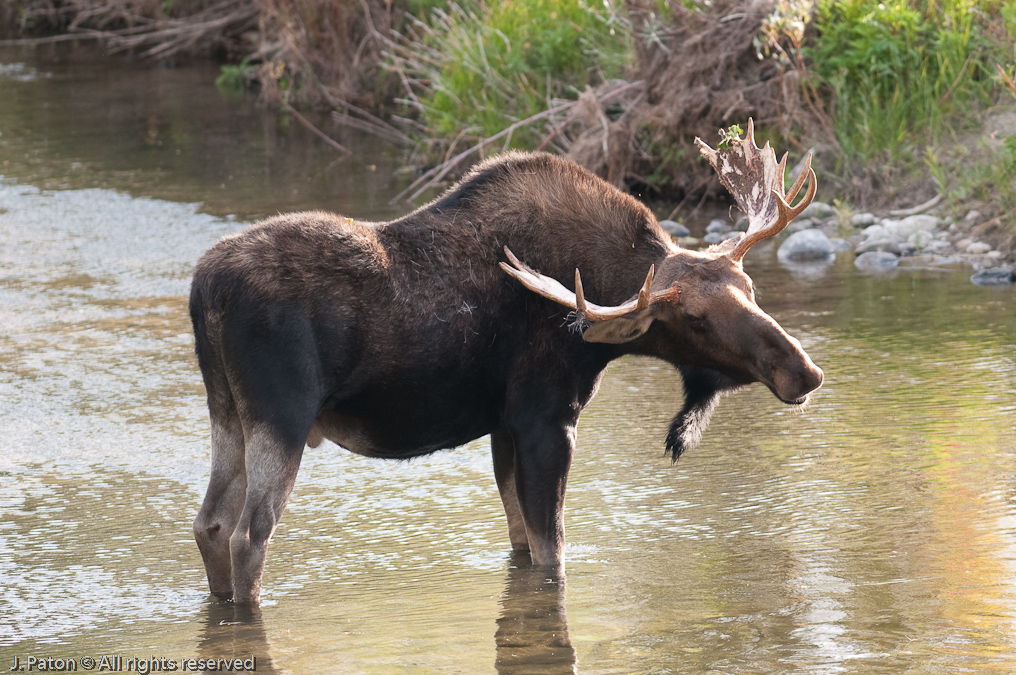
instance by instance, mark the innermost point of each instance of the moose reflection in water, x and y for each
(531, 635)
(398, 339)
(532, 632)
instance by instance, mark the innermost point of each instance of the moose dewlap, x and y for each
(464, 318)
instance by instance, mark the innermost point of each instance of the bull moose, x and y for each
(401, 338)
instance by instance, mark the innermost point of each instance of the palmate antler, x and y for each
(755, 179)
(556, 291)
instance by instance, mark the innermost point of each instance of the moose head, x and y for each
(697, 310)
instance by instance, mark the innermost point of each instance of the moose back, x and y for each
(464, 318)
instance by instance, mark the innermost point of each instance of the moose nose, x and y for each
(794, 387)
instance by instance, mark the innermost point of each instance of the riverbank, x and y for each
(899, 101)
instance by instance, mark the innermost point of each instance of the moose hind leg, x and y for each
(223, 503)
(503, 450)
(272, 465)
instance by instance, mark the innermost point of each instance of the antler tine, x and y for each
(800, 179)
(518, 263)
(787, 213)
(751, 132)
(553, 290)
(580, 299)
(647, 290)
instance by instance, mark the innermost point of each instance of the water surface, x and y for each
(874, 532)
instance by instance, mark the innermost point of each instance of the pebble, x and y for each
(863, 219)
(876, 260)
(718, 227)
(674, 228)
(713, 238)
(978, 247)
(994, 276)
(806, 245)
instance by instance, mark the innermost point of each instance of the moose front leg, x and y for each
(503, 450)
(543, 453)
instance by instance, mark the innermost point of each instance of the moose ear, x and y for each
(620, 330)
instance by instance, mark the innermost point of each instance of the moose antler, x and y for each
(755, 179)
(556, 291)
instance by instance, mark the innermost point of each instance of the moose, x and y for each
(472, 315)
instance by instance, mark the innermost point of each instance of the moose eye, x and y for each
(698, 324)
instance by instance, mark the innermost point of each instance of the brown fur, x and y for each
(401, 338)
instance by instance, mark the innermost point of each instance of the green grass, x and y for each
(489, 65)
(901, 73)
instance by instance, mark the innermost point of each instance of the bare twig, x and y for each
(432, 177)
(317, 132)
(376, 121)
(959, 77)
(83, 35)
(389, 134)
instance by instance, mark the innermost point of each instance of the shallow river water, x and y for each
(873, 532)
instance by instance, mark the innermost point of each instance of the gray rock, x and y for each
(732, 235)
(938, 247)
(840, 244)
(674, 228)
(978, 247)
(962, 244)
(920, 239)
(806, 245)
(973, 216)
(876, 232)
(995, 276)
(718, 226)
(919, 223)
(801, 224)
(876, 261)
(863, 219)
(818, 210)
(889, 243)
(713, 238)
